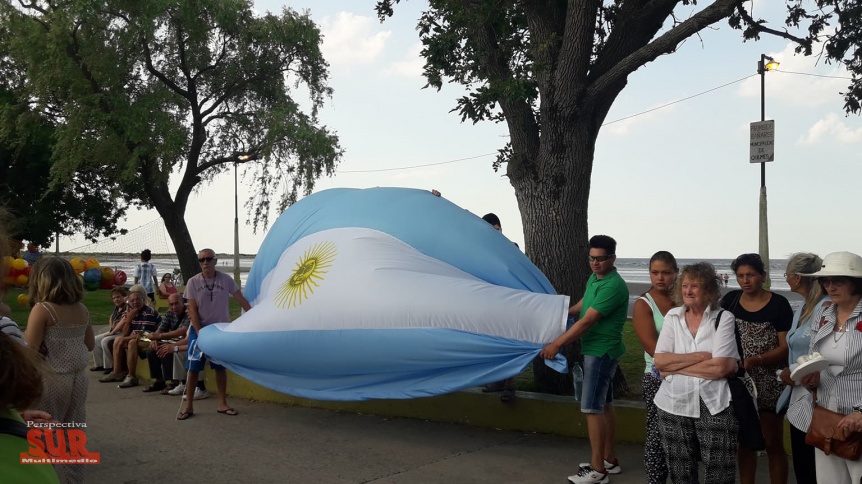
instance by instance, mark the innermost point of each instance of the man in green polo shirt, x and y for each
(602, 313)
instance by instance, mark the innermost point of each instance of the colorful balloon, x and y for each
(21, 280)
(78, 264)
(23, 299)
(9, 280)
(107, 274)
(91, 285)
(92, 275)
(119, 278)
(19, 264)
(109, 284)
(380, 301)
(91, 264)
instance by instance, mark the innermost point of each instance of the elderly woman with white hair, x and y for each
(139, 318)
(838, 339)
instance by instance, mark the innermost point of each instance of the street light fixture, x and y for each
(766, 63)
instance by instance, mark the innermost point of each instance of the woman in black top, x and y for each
(762, 319)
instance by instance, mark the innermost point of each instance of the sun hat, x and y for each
(845, 264)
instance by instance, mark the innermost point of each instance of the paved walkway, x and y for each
(140, 441)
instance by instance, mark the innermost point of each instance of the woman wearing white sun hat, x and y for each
(839, 340)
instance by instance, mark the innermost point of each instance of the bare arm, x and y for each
(193, 315)
(669, 363)
(644, 325)
(242, 300)
(712, 369)
(90, 338)
(36, 323)
(777, 355)
(576, 331)
(576, 309)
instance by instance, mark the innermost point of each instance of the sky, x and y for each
(676, 178)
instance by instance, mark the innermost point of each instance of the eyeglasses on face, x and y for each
(206, 259)
(599, 258)
(832, 281)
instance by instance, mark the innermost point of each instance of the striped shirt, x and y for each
(147, 320)
(840, 386)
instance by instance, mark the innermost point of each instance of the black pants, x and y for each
(161, 369)
(803, 457)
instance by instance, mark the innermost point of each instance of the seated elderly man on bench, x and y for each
(139, 318)
(160, 355)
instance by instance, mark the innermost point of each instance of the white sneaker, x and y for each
(588, 475)
(178, 390)
(199, 394)
(611, 468)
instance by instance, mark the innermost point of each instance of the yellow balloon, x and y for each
(19, 264)
(23, 299)
(91, 263)
(78, 264)
(21, 281)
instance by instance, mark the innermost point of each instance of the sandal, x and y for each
(228, 411)
(185, 415)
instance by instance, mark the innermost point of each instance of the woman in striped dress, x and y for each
(839, 340)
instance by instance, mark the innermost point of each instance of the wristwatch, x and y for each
(857, 408)
(176, 349)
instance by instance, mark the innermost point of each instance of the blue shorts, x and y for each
(196, 359)
(598, 389)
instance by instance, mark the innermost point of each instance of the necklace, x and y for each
(836, 339)
(210, 287)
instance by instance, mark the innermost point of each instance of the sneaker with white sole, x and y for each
(129, 382)
(611, 468)
(199, 394)
(178, 390)
(588, 475)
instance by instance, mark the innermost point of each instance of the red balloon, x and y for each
(106, 284)
(26, 271)
(15, 272)
(119, 278)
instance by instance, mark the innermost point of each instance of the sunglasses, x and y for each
(206, 259)
(599, 258)
(832, 281)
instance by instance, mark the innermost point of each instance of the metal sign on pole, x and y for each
(762, 141)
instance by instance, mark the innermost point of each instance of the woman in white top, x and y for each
(648, 319)
(694, 357)
(838, 338)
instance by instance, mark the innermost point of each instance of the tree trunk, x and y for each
(556, 237)
(175, 223)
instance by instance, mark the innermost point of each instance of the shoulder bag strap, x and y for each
(12, 427)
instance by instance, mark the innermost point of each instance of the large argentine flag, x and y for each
(386, 293)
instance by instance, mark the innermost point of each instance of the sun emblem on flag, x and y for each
(308, 273)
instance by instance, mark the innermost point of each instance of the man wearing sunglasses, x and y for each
(208, 294)
(601, 316)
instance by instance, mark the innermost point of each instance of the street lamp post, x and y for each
(763, 233)
(236, 277)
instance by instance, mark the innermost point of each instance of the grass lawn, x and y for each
(100, 306)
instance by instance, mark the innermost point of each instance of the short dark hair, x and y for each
(752, 260)
(146, 255)
(665, 256)
(492, 219)
(604, 242)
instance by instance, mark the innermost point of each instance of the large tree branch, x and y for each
(159, 74)
(758, 27)
(577, 48)
(665, 44)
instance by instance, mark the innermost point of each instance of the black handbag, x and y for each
(744, 407)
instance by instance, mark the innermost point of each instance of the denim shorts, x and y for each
(598, 390)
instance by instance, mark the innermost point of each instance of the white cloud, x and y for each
(831, 128)
(351, 39)
(796, 89)
(411, 65)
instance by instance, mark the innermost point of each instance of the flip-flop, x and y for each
(185, 415)
(228, 411)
